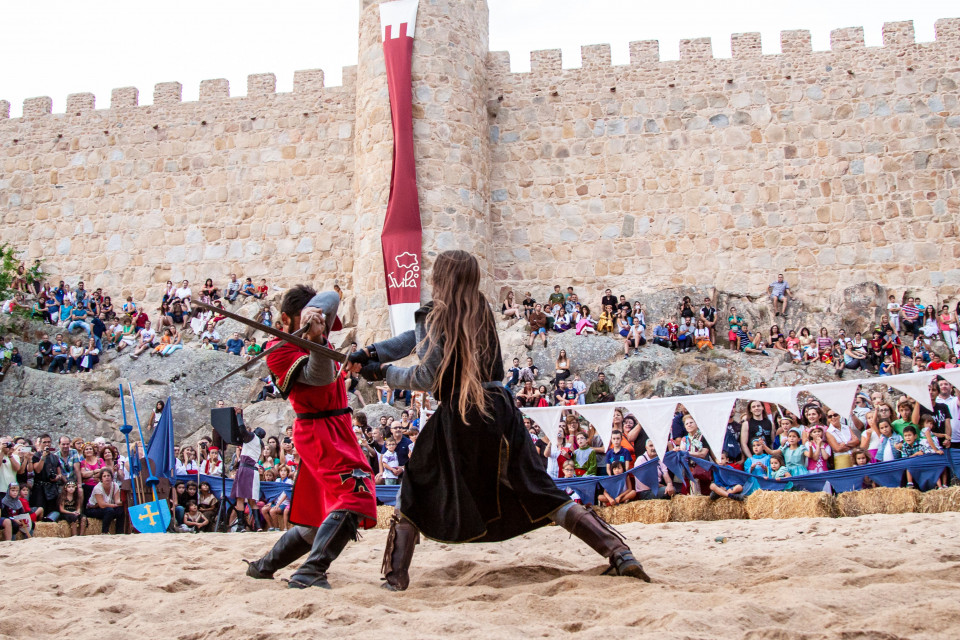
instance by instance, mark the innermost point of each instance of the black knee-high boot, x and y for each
(291, 545)
(337, 530)
(401, 540)
(587, 525)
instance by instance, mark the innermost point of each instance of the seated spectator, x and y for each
(538, 326)
(211, 335)
(107, 312)
(71, 508)
(673, 333)
(263, 290)
(209, 293)
(79, 319)
(665, 488)
(177, 315)
(634, 339)
(269, 390)
(629, 488)
(235, 344)
(248, 290)
(562, 368)
(510, 309)
(60, 352)
(528, 303)
(76, 353)
(719, 489)
(623, 322)
(661, 335)
(104, 503)
(193, 519)
(599, 390)
(513, 375)
(701, 336)
(126, 336)
(780, 295)
(232, 289)
(910, 318)
(184, 295)
(605, 323)
(15, 514)
(90, 357)
(733, 322)
(585, 322)
(708, 313)
(146, 341)
(171, 342)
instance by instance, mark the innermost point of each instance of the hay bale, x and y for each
(941, 500)
(384, 513)
(727, 509)
(646, 511)
(781, 505)
(880, 500)
(690, 508)
(47, 530)
(94, 527)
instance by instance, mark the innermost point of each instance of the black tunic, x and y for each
(476, 482)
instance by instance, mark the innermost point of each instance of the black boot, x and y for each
(337, 530)
(287, 549)
(587, 525)
(401, 540)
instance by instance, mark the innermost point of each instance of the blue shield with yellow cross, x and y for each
(150, 517)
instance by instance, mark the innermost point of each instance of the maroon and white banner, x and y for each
(402, 236)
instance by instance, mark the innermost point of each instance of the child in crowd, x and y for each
(584, 457)
(860, 458)
(886, 367)
(759, 463)
(890, 443)
(71, 509)
(817, 451)
(719, 489)
(605, 324)
(629, 489)
(390, 468)
(193, 520)
(618, 453)
(570, 471)
(791, 454)
(778, 471)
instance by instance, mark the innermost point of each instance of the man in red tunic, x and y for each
(334, 492)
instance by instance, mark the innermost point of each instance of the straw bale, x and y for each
(384, 513)
(646, 511)
(941, 500)
(47, 530)
(880, 500)
(781, 505)
(689, 508)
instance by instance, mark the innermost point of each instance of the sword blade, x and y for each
(313, 347)
(249, 363)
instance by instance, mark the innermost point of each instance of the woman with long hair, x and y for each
(474, 476)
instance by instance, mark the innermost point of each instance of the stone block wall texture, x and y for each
(833, 167)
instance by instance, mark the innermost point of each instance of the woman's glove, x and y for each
(361, 357)
(372, 371)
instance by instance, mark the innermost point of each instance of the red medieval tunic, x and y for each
(334, 474)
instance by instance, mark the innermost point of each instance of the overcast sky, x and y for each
(57, 47)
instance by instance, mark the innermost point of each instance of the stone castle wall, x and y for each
(833, 167)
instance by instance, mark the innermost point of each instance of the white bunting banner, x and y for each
(711, 411)
(786, 397)
(836, 395)
(656, 418)
(548, 418)
(950, 375)
(915, 385)
(600, 416)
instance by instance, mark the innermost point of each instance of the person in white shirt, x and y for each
(184, 293)
(146, 338)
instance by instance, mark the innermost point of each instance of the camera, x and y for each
(287, 441)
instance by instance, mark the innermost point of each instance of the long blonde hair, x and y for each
(460, 321)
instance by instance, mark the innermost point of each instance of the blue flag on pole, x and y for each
(160, 447)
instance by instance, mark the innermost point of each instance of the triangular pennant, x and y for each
(836, 395)
(600, 416)
(950, 375)
(786, 397)
(711, 411)
(548, 418)
(656, 418)
(915, 385)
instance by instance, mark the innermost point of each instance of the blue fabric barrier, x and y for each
(269, 490)
(924, 469)
(585, 486)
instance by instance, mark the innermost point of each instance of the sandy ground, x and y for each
(872, 577)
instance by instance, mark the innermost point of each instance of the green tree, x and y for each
(8, 270)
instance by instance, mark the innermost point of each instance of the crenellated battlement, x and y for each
(165, 94)
(744, 46)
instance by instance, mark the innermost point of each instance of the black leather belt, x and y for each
(324, 414)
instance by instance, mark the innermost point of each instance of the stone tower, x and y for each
(451, 139)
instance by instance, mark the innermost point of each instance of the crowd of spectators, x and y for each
(762, 439)
(73, 481)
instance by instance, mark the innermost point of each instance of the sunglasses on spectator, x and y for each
(833, 415)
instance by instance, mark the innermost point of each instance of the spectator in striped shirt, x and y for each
(910, 315)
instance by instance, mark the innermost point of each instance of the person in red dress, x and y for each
(334, 492)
